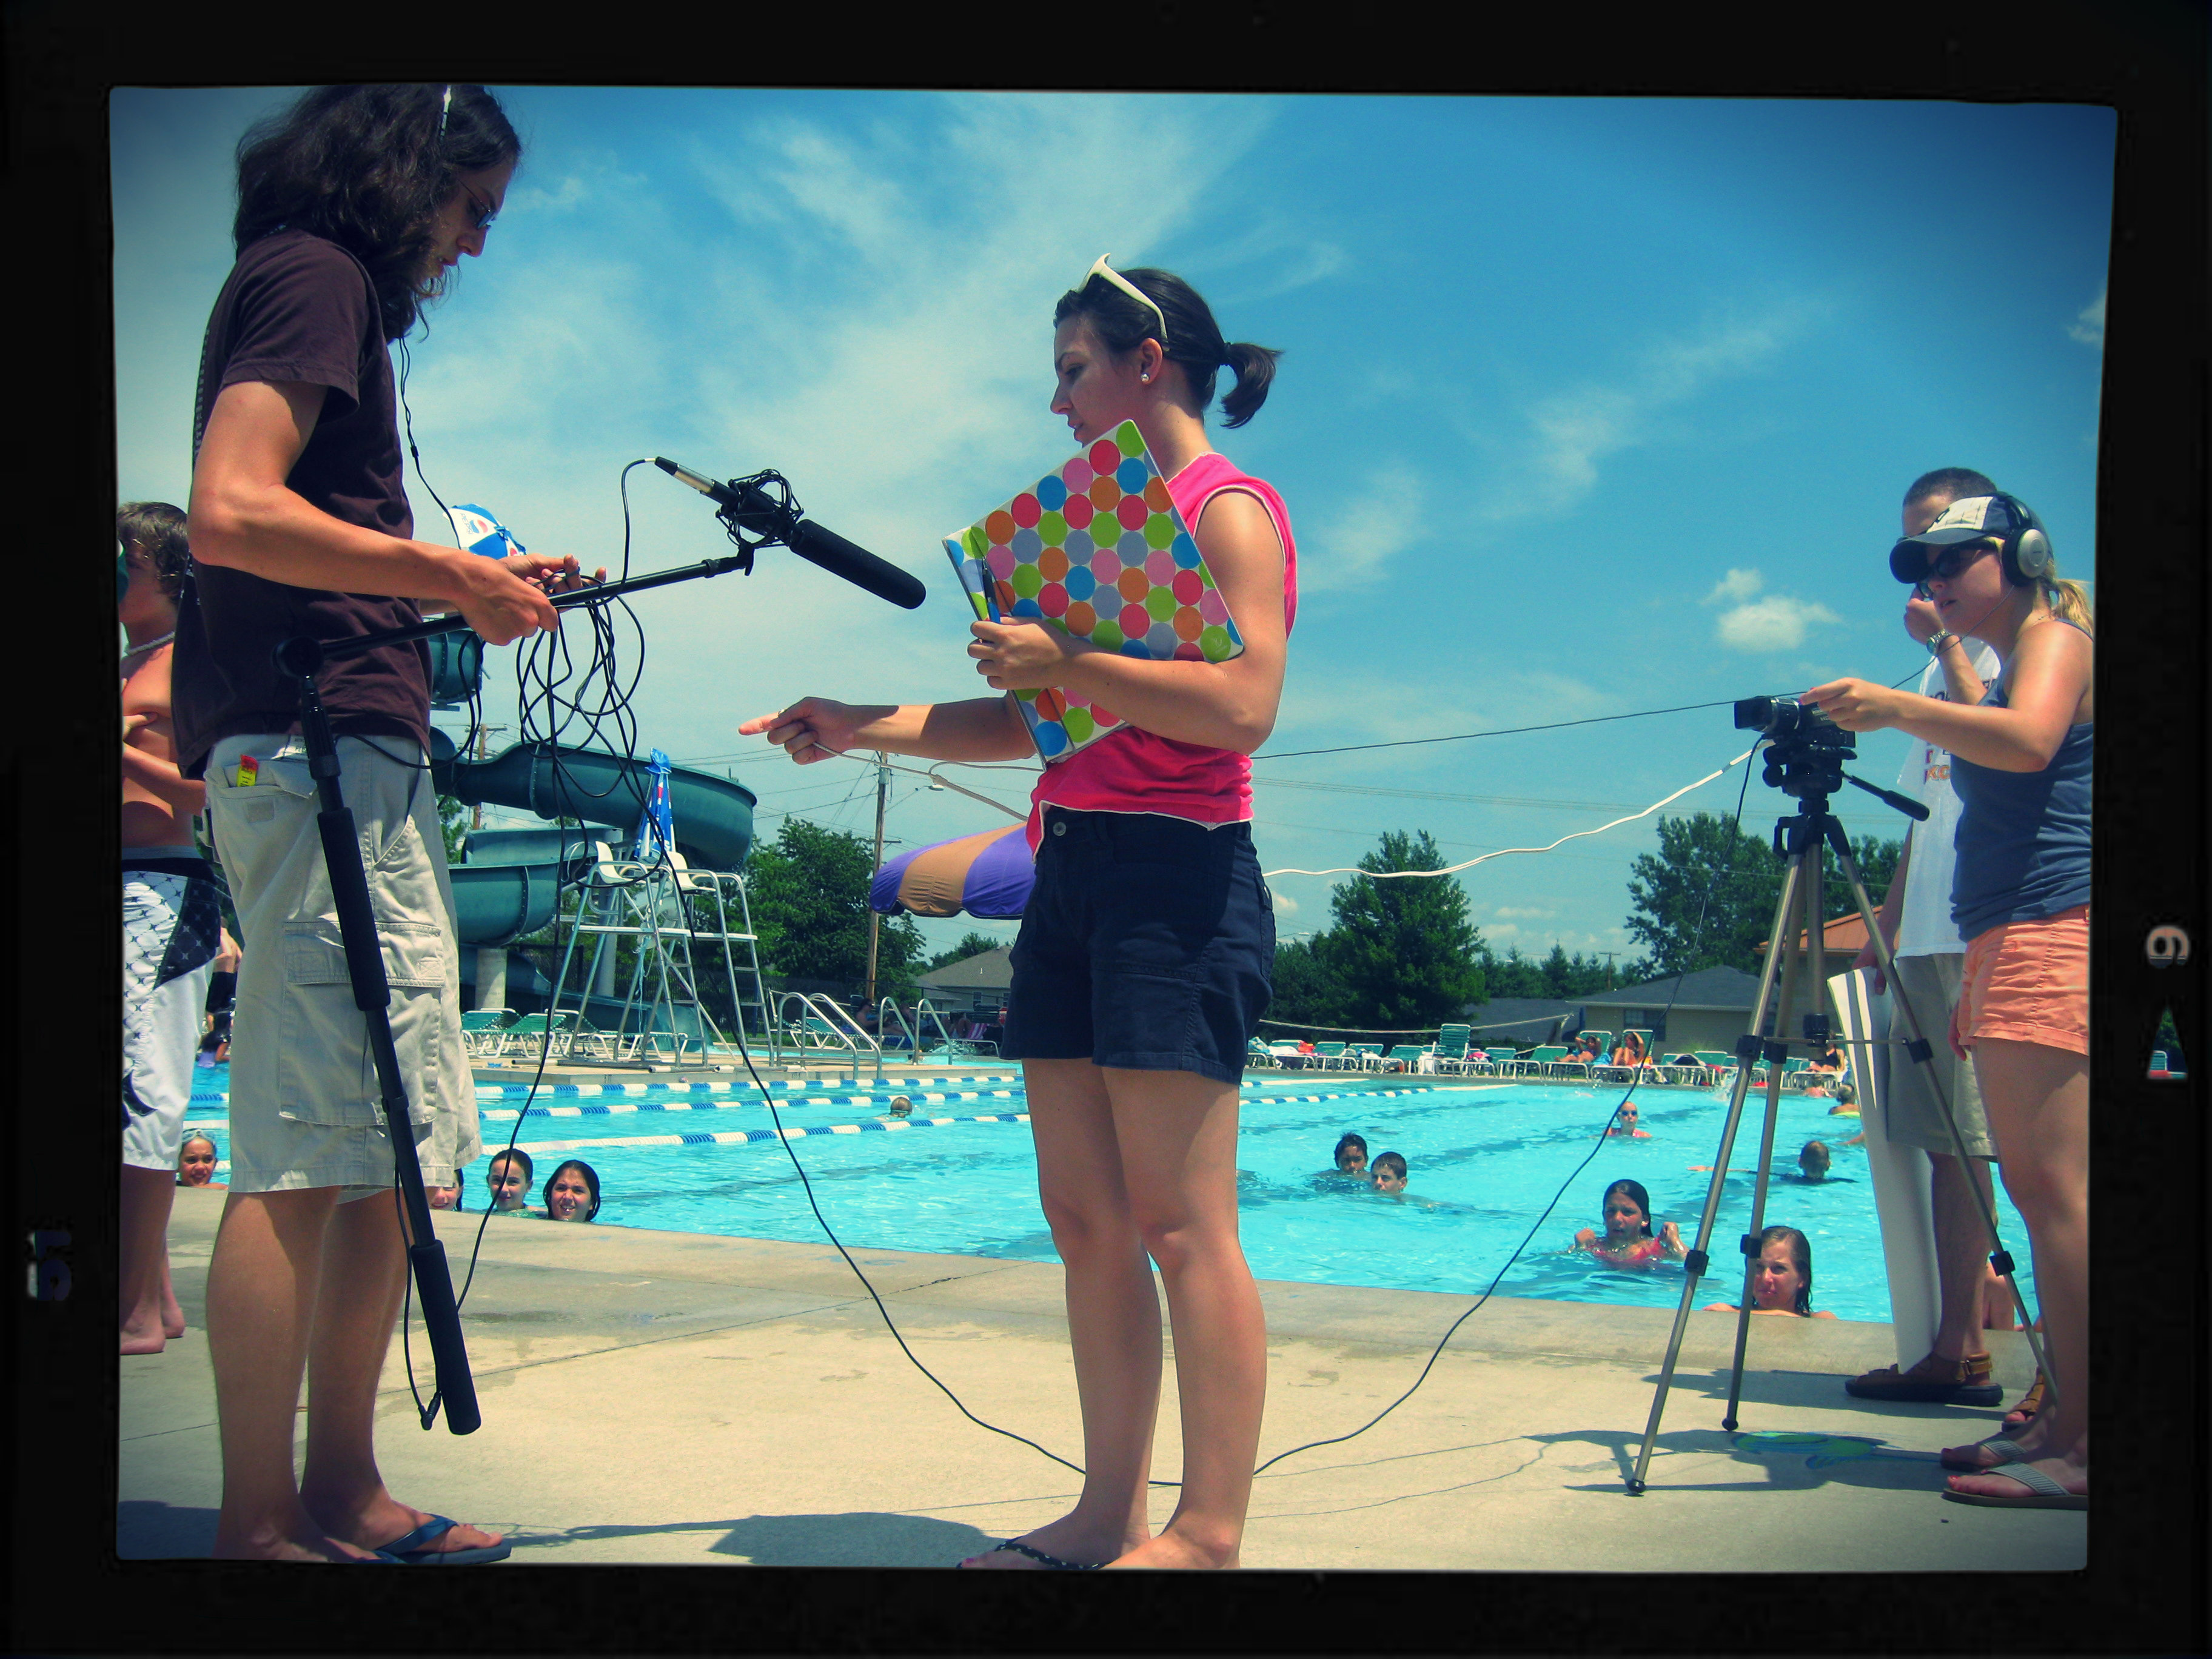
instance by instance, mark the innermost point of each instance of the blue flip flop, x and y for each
(412, 1550)
(1039, 1556)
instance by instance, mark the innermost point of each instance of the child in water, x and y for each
(1627, 1241)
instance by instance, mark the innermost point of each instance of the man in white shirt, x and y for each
(1916, 919)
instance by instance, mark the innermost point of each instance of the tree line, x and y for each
(1400, 953)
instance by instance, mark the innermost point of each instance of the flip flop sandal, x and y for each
(1042, 1560)
(2043, 1493)
(2005, 1449)
(413, 1550)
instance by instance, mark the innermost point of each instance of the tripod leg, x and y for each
(1694, 1264)
(1804, 880)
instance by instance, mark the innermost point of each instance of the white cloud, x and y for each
(2088, 327)
(1284, 902)
(1531, 911)
(1504, 930)
(1347, 548)
(1736, 586)
(1572, 431)
(1777, 622)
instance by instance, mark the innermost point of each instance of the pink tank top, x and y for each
(1135, 771)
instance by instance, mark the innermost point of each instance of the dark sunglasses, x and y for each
(1919, 564)
(481, 213)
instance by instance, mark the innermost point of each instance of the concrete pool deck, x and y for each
(710, 1401)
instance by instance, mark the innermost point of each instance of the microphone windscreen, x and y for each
(856, 565)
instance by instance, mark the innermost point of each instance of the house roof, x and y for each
(1846, 934)
(986, 970)
(1707, 988)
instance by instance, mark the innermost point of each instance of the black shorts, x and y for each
(1146, 945)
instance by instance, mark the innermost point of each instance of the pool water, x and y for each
(1483, 1164)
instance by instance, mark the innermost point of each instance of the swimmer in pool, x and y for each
(901, 1106)
(573, 1192)
(1782, 1281)
(1350, 1161)
(510, 1176)
(1624, 1124)
(1628, 1241)
(1388, 1173)
(1813, 1160)
(196, 1164)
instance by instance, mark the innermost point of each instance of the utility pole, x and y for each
(483, 732)
(875, 922)
(1608, 970)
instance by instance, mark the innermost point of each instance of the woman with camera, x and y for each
(2021, 765)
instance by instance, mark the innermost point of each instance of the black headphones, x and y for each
(2025, 552)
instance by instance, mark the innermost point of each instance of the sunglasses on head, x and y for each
(1102, 269)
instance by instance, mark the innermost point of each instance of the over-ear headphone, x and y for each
(2026, 552)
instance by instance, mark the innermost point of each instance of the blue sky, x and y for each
(1586, 407)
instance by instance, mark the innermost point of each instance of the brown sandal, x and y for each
(2030, 1403)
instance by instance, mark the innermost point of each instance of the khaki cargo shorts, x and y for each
(306, 1109)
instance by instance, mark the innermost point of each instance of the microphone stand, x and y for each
(353, 645)
(372, 994)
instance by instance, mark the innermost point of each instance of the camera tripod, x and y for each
(1809, 773)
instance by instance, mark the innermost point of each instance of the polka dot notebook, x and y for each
(1098, 549)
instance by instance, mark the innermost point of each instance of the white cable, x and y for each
(1385, 875)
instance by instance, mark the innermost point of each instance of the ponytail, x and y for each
(1194, 341)
(1254, 369)
(2069, 600)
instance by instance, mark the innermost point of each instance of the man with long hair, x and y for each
(354, 208)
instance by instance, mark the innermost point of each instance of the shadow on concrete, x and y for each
(859, 1537)
(1785, 1459)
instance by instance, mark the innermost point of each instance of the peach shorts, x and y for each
(2028, 982)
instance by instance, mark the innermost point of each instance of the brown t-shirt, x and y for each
(298, 307)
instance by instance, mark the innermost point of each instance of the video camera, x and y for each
(1797, 724)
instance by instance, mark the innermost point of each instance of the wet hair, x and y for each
(196, 1135)
(1845, 1092)
(1388, 1164)
(158, 529)
(1801, 1253)
(1634, 1191)
(368, 167)
(1816, 1151)
(1349, 1139)
(1194, 340)
(515, 1155)
(591, 1179)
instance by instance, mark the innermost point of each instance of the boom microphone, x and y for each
(753, 510)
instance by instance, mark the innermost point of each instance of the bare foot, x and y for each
(304, 1545)
(1172, 1550)
(144, 1339)
(1079, 1544)
(2030, 1440)
(2073, 1477)
(384, 1520)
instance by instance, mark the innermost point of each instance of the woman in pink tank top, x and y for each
(1142, 966)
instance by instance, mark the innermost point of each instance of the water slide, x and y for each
(508, 883)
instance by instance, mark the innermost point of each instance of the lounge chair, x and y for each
(1363, 1056)
(480, 1029)
(1450, 1049)
(532, 1033)
(1257, 1053)
(1331, 1056)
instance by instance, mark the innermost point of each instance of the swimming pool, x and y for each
(960, 1178)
